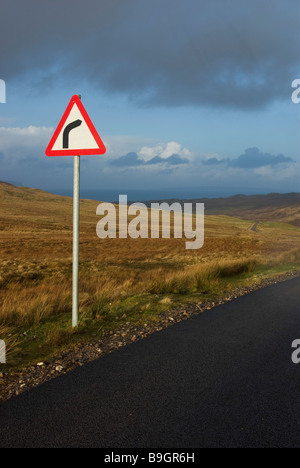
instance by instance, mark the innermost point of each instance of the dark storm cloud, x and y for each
(173, 160)
(230, 53)
(129, 160)
(251, 159)
(132, 160)
(216, 162)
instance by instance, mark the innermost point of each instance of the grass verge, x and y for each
(41, 329)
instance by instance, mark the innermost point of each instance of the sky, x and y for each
(187, 95)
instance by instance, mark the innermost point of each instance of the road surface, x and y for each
(224, 378)
(254, 227)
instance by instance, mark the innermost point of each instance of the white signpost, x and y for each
(75, 136)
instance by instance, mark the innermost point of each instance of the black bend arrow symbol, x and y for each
(67, 131)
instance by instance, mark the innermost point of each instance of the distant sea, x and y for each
(112, 195)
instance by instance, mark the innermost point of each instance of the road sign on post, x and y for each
(75, 136)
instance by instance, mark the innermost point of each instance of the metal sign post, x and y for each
(75, 134)
(76, 215)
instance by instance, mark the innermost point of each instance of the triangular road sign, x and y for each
(75, 134)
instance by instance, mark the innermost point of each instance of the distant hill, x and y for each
(10, 191)
(275, 207)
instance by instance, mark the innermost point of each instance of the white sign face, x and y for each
(75, 134)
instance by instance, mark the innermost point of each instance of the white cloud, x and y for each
(149, 152)
(27, 137)
(118, 145)
(164, 151)
(22, 152)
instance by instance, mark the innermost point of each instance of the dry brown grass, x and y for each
(36, 256)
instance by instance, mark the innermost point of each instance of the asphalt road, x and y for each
(254, 228)
(224, 378)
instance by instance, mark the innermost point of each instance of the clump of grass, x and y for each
(174, 284)
(204, 283)
(20, 278)
(102, 307)
(293, 256)
(203, 279)
(25, 307)
(237, 268)
(58, 337)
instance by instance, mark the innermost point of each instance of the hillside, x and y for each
(283, 208)
(36, 224)
(126, 282)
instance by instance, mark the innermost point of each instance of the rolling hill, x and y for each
(125, 282)
(275, 207)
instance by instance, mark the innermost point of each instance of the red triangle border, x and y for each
(75, 152)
